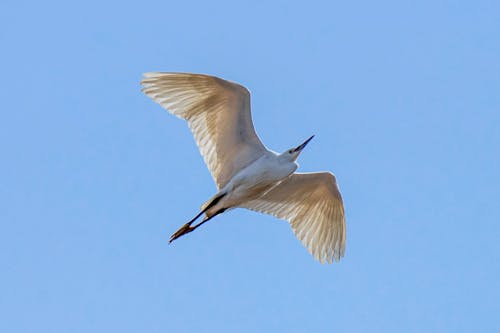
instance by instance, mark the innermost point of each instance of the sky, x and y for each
(404, 100)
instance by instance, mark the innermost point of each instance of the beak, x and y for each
(302, 146)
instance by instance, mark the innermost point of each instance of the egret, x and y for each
(247, 174)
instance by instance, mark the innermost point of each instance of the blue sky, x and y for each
(403, 97)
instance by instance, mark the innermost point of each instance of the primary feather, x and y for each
(218, 114)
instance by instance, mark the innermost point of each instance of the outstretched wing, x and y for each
(311, 202)
(218, 114)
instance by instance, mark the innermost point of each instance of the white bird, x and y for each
(246, 173)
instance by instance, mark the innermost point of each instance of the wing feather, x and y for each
(312, 203)
(218, 114)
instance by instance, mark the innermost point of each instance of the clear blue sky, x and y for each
(404, 99)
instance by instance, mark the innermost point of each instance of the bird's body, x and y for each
(253, 181)
(246, 173)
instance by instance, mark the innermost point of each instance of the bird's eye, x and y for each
(290, 151)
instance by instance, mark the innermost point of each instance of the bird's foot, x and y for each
(185, 229)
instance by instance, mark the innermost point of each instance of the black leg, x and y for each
(187, 228)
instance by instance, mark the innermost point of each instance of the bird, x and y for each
(246, 173)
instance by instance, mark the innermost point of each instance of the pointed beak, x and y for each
(302, 146)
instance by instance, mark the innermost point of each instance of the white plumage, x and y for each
(246, 173)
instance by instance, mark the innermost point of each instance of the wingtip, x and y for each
(150, 74)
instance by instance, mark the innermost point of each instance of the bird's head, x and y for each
(292, 153)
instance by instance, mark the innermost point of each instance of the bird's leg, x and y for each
(187, 228)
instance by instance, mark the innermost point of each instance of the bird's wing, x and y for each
(311, 202)
(218, 114)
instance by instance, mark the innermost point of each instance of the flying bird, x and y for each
(247, 174)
